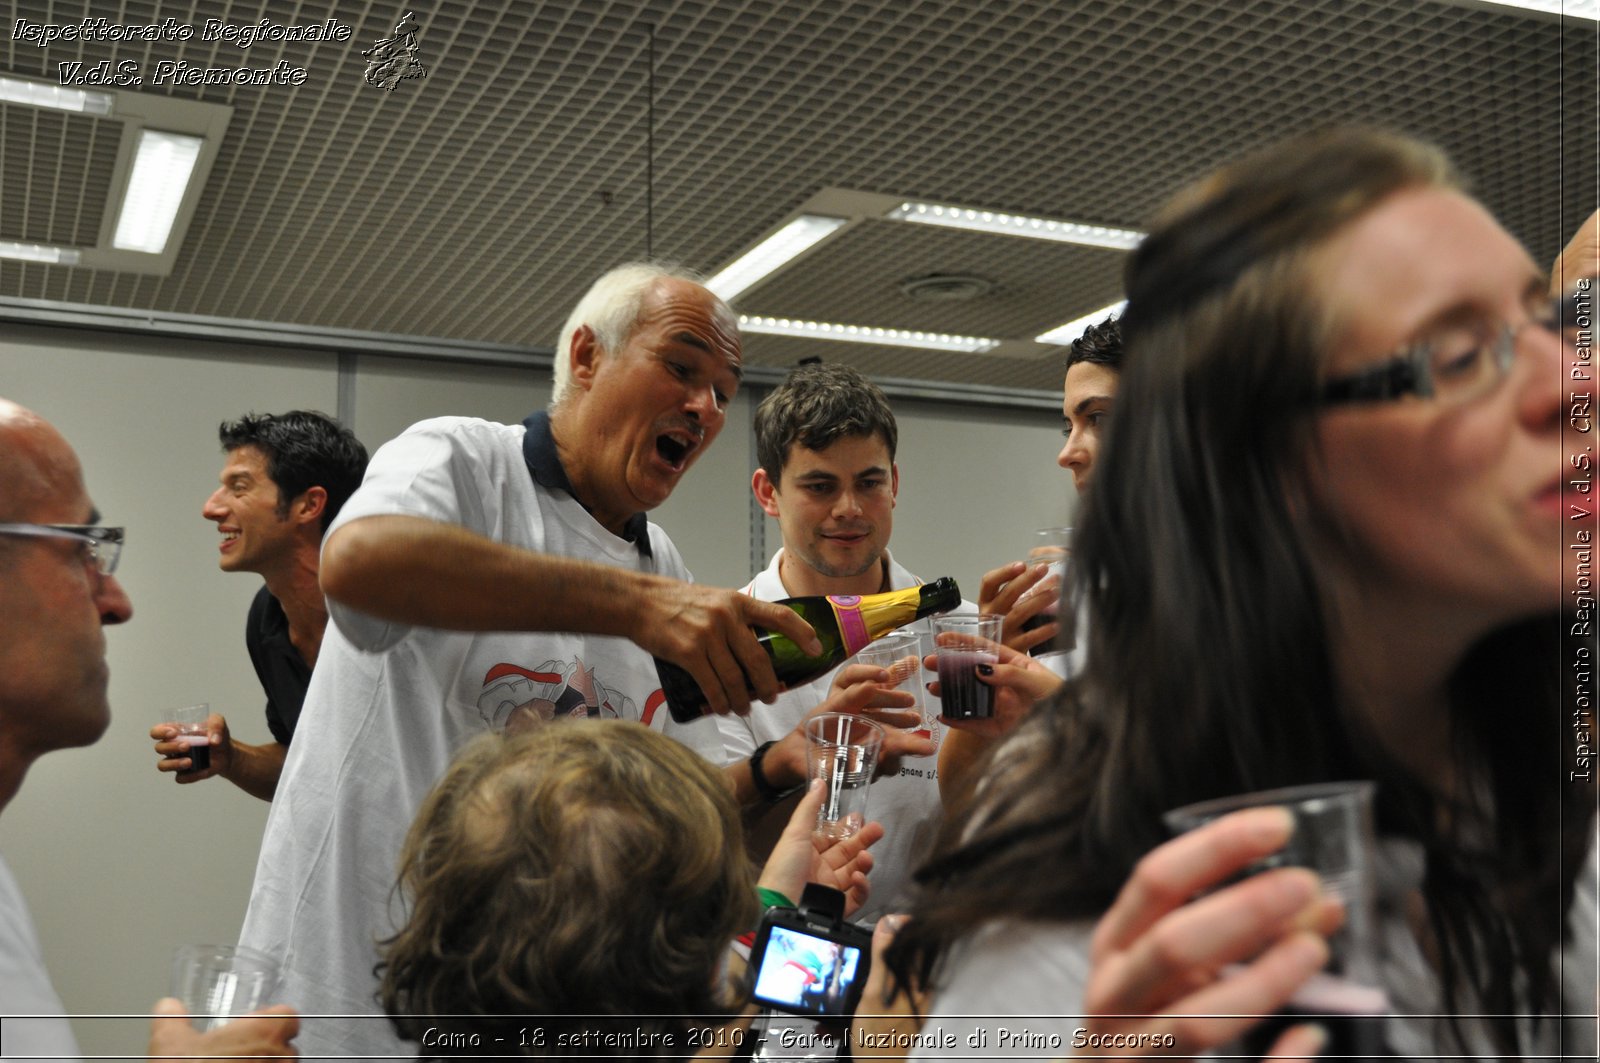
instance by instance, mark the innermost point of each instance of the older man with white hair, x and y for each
(493, 577)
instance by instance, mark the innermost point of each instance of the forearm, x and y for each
(784, 768)
(958, 752)
(417, 571)
(255, 769)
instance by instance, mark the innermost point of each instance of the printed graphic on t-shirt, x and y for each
(516, 699)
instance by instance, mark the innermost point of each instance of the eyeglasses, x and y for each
(1459, 364)
(103, 546)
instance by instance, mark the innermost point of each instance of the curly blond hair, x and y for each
(588, 874)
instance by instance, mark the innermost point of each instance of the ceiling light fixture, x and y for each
(818, 330)
(1589, 9)
(60, 256)
(993, 221)
(789, 242)
(39, 94)
(161, 171)
(165, 150)
(1065, 334)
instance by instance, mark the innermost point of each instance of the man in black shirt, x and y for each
(283, 482)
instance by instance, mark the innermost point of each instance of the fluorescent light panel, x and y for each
(993, 221)
(160, 175)
(1065, 334)
(775, 251)
(39, 94)
(819, 330)
(1589, 9)
(60, 256)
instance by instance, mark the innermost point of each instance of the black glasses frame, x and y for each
(1409, 371)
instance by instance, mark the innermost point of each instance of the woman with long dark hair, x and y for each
(1327, 541)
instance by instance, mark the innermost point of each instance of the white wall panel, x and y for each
(974, 484)
(118, 863)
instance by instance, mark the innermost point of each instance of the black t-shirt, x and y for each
(283, 673)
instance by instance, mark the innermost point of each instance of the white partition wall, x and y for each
(974, 485)
(708, 516)
(392, 394)
(119, 864)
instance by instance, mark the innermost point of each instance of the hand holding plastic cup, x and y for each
(1333, 835)
(842, 751)
(961, 644)
(1053, 547)
(900, 655)
(220, 982)
(191, 724)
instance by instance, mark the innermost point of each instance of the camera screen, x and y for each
(806, 975)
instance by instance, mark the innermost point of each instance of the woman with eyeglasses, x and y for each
(1331, 539)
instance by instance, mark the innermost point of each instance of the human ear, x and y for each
(765, 491)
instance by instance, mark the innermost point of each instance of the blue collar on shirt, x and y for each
(544, 464)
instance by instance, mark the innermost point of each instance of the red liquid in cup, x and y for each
(963, 694)
(199, 751)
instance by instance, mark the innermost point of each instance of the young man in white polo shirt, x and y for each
(826, 440)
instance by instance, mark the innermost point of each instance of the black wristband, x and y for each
(764, 788)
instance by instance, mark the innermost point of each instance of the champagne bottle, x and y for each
(843, 622)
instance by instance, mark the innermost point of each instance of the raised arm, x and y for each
(412, 570)
(1020, 593)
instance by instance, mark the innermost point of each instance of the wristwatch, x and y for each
(768, 792)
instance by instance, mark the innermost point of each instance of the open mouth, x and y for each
(674, 449)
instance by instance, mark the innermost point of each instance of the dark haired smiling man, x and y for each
(284, 479)
(496, 578)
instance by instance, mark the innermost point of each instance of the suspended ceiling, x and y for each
(474, 204)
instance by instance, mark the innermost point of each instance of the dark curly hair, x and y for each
(304, 449)
(588, 874)
(1099, 345)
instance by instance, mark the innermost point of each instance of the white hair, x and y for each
(611, 310)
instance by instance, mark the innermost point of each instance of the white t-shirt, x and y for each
(906, 804)
(25, 988)
(389, 704)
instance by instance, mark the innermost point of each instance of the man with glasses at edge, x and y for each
(57, 592)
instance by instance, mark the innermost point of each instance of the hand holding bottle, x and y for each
(706, 633)
(840, 623)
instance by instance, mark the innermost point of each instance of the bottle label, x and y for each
(852, 627)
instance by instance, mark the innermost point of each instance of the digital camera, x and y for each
(808, 960)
